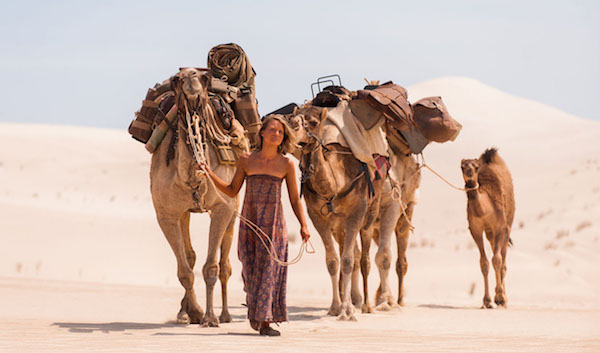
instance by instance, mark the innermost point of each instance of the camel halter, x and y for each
(423, 164)
(199, 154)
(397, 194)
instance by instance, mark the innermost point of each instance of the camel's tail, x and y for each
(510, 242)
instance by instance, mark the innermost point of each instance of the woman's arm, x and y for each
(292, 186)
(238, 178)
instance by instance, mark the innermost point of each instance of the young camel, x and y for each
(490, 208)
(178, 191)
(336, 192)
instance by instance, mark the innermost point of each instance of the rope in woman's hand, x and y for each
(202, 161)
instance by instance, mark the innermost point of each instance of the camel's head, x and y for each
(306, 122)
(470, 170)
(191, 82)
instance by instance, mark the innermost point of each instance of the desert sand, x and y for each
(84, 266)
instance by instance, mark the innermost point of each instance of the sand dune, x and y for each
(83, 257)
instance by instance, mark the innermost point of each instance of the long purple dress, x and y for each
(264, 279)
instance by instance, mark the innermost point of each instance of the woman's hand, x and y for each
(203, 166)
(304, 233)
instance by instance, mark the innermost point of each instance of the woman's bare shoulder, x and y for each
(289, 164)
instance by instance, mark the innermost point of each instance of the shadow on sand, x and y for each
(437, 306)
(295, 313)
(82, 327)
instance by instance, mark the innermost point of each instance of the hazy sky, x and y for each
(91, 62)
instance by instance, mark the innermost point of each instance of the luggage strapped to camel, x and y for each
(231, 94)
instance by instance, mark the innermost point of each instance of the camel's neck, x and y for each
(475, 201)
(194, 103)
(323, 180)
(184, 157)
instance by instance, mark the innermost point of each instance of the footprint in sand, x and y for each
(583, 225)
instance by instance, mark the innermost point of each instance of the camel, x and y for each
(177, 190)
(336, 191)
(408, 176)
(490, 209)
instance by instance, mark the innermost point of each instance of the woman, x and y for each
(264, 170)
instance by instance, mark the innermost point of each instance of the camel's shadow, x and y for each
(439, 306)
(295, 313)
(83, 327)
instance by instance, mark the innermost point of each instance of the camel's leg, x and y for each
(184, 316)
(225, 269)
(332, 260)
(351, 230)
(210, 270)
(501, 238)
(503, 274)
(389, 213)
(341, 251)
(172, 226)
(357, 299)
(402, 232)
(365, 267)
(477, 235)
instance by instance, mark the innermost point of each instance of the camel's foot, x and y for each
(386, 302)
(335, 309)
(500, 300)
(385, 306)
(487, 303)
(225, 316)
(189, 317)
(210, 320)
(347, 313)
(183, 318)
(366, 308)
(400, 301)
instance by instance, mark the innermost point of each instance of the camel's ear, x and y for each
(204, 80)
(323, 114)
(175, 81)
(295, 111)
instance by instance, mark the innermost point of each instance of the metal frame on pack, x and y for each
(322, 80)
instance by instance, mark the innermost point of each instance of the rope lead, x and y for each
(202, 160)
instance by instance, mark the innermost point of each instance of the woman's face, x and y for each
(273, 134)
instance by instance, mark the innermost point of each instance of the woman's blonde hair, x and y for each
(288, 144)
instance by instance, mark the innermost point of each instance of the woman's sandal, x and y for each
(269, 331)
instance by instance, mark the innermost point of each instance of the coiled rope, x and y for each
(200, 156)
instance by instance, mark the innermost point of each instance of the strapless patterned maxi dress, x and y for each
(264, 279)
